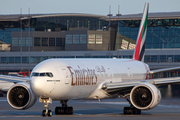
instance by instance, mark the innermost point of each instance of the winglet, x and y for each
(140, 43)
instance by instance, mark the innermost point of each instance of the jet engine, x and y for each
(20, 96)
(145, 96)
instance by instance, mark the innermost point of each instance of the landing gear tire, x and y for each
(136, 111)
(70, 110)
(127, 111)
(131, 110)
(59, 111)
(49, 113)
(44, 113)
(64, 110)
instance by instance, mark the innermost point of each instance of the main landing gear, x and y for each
(130, 110)
(64, 110)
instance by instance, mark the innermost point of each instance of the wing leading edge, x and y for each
(14, 79)
(125, 87)
(163, 70)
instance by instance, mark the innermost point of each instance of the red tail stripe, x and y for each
(136, 56)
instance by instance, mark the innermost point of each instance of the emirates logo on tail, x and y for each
(140, 43)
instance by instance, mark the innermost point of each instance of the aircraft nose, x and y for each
(37, 86)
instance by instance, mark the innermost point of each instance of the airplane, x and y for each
(66, 79)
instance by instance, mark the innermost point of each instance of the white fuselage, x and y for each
(83, 78)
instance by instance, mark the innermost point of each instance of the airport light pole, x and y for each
(29, 42)
(109, 30)
(118, 29)
(21, 38)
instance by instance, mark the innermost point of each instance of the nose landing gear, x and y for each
(46, 112)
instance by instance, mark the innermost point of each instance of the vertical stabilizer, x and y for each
(140, 43)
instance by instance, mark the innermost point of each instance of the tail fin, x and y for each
(140, 43)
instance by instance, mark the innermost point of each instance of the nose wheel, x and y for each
(46, 112)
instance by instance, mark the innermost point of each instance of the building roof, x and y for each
(161, 15)
(17, 17)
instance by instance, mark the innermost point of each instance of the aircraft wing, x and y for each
(14, 79)
(125, 87)
(163, 70)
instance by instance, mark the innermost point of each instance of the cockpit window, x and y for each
(48, 74)
(35, 74)
(42, 74)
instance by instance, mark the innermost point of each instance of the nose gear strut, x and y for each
(46, 112)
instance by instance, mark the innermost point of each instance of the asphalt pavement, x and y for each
(93, 109)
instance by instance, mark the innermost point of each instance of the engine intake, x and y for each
(20, 96)
(145, 96)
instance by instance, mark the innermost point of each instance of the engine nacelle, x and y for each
(145, 96)
(20, 96)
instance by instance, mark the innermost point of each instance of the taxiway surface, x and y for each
(110, 109)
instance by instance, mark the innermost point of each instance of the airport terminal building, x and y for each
(86, 36)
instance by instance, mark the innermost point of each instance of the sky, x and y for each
(98, 7)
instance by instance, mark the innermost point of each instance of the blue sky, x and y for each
(99, 7)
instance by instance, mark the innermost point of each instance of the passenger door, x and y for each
(64, 73)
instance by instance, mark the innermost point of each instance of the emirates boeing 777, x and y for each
(65, 79)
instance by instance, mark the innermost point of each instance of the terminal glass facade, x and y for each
(5, 34)
(50, 24)
(65, 22)
(161, 33)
